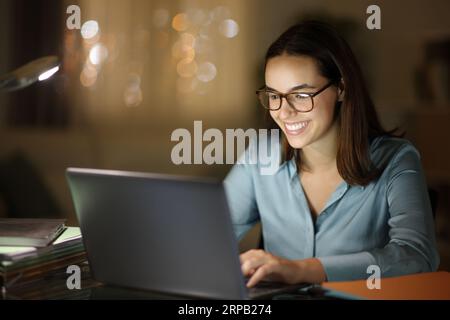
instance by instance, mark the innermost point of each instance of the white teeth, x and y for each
(296, 126)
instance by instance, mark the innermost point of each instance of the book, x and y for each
(29, 232)
(20, 266)
(69, 238)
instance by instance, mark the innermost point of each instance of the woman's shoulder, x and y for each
(387, 149)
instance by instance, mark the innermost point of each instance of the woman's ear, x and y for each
(341, 90)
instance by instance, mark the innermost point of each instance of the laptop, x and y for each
(162, 233)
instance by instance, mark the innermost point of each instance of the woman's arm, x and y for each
(241, 199)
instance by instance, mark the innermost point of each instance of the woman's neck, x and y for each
(320, 156)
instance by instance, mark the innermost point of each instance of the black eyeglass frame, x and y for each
(285, 95)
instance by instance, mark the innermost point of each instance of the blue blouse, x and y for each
(387, 223)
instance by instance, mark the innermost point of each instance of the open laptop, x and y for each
(162, 233)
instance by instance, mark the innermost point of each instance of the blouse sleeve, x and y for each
(412, 245)
(241, 199)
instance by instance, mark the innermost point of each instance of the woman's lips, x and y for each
(296, 128)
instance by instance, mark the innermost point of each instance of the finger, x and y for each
(250, 253)
(251, 264)
(259, 275)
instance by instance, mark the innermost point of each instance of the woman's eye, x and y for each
(300, 96)
(273, 96)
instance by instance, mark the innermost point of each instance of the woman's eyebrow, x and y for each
(301, 86)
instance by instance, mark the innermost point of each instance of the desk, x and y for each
(422, 286)
(435, 285)
(53, 287)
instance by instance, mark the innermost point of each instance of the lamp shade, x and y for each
(36, 70)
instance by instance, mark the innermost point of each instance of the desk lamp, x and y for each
(36, 70)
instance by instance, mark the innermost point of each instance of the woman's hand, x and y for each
(261, 265)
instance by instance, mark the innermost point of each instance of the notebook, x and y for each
(29, 232)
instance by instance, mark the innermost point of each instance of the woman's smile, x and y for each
(296, 128)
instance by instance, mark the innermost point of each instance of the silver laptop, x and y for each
(162, 233)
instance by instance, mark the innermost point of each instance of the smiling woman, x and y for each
(348, 195)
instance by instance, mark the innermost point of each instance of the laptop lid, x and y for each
(157, 232)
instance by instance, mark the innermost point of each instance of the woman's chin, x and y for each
(296, 142)
(298, 139)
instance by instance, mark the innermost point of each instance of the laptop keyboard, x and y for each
(267, 289)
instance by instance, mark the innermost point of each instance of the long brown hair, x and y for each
(358, 120)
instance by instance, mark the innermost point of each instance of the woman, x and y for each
(348, 194)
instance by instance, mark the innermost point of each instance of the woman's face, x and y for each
(283, 73)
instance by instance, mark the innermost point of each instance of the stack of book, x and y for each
(33, 252)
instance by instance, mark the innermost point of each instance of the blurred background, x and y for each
(137, 70)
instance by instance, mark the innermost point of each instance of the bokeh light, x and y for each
(202, 88)
(187, 68)
(206, 71)
(203, 44)
(98, 54)
(180, 51)
(132, 97)
(88, 76)
(89, 29)
(134, 81)
(229, 28)
(187, 39)
(180, 22)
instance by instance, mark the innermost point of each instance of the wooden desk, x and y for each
(422, 286)
(435, 285)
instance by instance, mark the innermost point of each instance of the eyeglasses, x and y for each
(300, 101)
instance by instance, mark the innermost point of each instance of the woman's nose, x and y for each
(286, 111)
